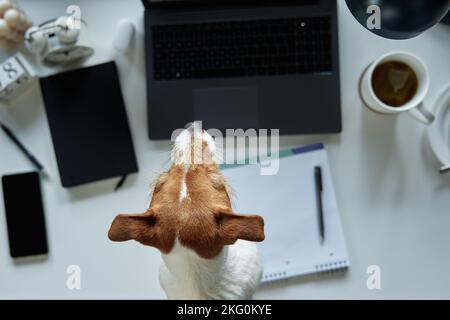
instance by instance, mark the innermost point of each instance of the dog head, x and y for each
(191, 204)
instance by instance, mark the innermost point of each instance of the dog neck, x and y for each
(197, 277)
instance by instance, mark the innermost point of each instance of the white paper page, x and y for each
(287, 201)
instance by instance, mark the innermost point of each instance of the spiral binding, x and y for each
(332, 267)
(320, 269)
(275, 276)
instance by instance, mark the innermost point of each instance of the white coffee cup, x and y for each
(414, 106)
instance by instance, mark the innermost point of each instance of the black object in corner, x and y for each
(88, 124)
(400, 19)
(25, 218)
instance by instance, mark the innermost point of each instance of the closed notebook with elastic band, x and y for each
(88, 124)
(288, 203)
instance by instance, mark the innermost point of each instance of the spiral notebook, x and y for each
(287, 201)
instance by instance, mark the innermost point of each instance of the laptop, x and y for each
(242, 64)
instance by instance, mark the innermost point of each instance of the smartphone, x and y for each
(24, 214)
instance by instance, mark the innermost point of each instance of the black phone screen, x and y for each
(24, 214)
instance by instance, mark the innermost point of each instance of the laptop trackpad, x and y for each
(227, 107)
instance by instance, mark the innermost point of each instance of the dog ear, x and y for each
(140, 227)
(237, 226)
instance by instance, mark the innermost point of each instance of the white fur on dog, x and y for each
(234, 274)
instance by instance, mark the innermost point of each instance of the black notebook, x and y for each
(88, 124)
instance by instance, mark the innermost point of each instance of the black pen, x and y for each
(319, 189)
(120, 183)
(19, 144)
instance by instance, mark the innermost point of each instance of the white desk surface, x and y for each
(395, 206)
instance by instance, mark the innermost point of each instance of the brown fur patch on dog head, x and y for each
(201, 220)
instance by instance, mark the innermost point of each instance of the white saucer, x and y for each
(439, 130)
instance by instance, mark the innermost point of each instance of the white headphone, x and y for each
(37, 37)
(59, 41)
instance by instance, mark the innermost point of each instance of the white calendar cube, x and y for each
(14, 78)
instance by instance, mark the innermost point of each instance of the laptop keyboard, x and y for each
(242, 48)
